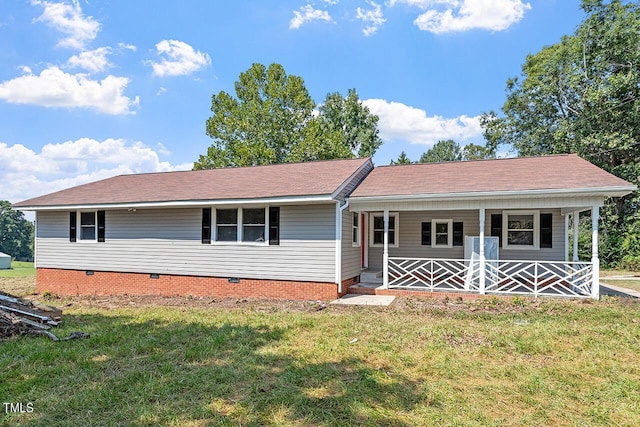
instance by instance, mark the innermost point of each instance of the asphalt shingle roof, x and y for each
(497, 175)
(283, 180)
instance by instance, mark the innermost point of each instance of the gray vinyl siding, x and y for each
(351, 255)
(410, 243)
(168, 241)
(355, 181)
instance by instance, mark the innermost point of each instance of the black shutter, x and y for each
(73, 221)
(496, 227)
(426, 233)
(458, 234)
(101, 226)
(206, 225)
(546, 230)
(274, 225)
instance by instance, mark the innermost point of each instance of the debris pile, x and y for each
(19, 316)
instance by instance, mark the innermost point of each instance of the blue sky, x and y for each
(92, 89)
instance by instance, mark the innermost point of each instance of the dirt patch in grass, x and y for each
(19, 286)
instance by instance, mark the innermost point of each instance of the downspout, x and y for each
(339, 243)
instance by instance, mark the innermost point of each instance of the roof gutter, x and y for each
(183, 203)
(339, 211)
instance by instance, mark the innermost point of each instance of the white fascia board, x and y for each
(486, 195)
(351, 178)
(187, 203)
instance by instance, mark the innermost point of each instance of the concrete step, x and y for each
(371, 276)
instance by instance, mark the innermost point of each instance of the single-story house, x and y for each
(5, 261)
(313, 230)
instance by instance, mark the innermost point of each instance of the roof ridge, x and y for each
(241, 167)
(483, 160)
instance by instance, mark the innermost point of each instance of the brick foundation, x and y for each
(77, 282)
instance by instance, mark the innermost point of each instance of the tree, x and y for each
(353, 120)
(272, 119)
(16, 233)
(581, 96)
(442, 151)
(402, 160)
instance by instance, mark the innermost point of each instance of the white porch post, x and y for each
(385, 252)
(482, 257)
(566, 238)
(576, 222)
(595, 216)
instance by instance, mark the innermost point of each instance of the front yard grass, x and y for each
(494, 362)
(19, 269)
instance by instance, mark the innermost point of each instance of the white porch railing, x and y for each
(550, 278)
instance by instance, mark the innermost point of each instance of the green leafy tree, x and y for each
(402, 160)
(272, 120)
(581, 95)
(16, 233)
(450, 151)
(353, 121)
(442, 151)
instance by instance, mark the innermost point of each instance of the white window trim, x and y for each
(239, 230)
(79, 226)
(449, 223)
(358, 228)
(396, 241)
(536, 230)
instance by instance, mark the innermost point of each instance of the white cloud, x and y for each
(179, 59)
(68, 19)
(26, 173)
(55, 88)
(91, 60)
(444, 16)
(308, 14)
(373, 18)
(402, 122)
(127, 46)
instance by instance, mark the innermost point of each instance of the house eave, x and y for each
(493, 195)
(186, 203)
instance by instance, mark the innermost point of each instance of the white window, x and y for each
(355, 235)
(88, 226)
(226, 225)
(442, 233)
(376, 230)
(521, 229)
(253, 225)
(248, 225)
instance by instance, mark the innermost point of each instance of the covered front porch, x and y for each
(502, 248)
(497, 226)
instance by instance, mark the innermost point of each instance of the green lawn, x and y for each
(495, 362)
(19, 269)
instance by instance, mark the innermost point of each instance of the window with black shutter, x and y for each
(101, 226)
(496, 227)
(426, 233)
(274, 225)
(546, 230)
(206, 225)
(458, 234)
(73, 224)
